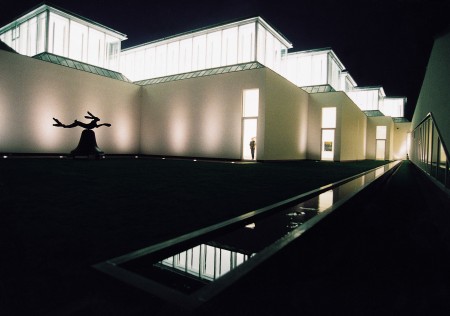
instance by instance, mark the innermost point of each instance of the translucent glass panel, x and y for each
(78, 41)
(393, 107)
(329, 117)
(381, 132)
(269, 49)
(307, 69)
(112, 53)
(96, 47)
(334, 73)
(27, 38)
(214, 50)
(250, 103)
(246, 46)
(58, 35)
(365, 99)
(327, 152)
(41, 36)
(230, 46)
(217, 48)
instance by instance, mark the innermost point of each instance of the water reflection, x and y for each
(191, 269)
(204, 262)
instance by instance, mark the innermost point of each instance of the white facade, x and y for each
(205, 93)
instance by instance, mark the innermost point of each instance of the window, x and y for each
(16, 32)
(381, 132)
(328, 117)
(251, 102)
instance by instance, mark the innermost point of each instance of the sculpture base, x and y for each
(87, 147)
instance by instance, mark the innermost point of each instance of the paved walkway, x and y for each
(388, 253)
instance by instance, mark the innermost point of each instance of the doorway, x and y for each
(249, 134)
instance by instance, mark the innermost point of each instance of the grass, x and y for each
(60, 216)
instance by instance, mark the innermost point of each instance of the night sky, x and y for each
(380, 42)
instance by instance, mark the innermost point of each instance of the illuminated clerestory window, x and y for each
(251, 103)
(328, 117)
(381, 132)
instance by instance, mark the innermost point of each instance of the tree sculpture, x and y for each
(88, 144)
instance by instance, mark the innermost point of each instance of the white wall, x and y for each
(401, 134)
(353, 130)
(372, 123)
(32, 92)
(199, 117)
(350, 129)
(286, 119)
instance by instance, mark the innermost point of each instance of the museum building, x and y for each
(205, 93)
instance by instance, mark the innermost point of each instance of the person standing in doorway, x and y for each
(252, 147)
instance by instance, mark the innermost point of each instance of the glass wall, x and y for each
(393, 107)
(365, 99)
(50, 30)
(28, 37)
(216, 47)
(429, 152)
(316, 68)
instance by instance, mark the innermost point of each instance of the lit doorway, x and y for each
(248, 135)
(380, 150)
(327, 144)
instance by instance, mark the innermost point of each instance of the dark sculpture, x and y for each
(88, 144)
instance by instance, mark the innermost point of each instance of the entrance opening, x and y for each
(250, 109)
(381, 149)
(249, 135)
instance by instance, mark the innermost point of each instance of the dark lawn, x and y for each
(59, 216)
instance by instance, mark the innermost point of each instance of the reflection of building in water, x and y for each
(204, 262)
(325, 200)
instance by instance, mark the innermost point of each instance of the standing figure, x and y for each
(252, 147)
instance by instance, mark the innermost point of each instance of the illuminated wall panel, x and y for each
(78, 41)
(393, 107)
(198, 117)
(367, 98)
(46, 91)
(350, 131)
(283, 120)
(401, 140)
(58, 35)
(312, 68)
(210, 48)
(47, 29)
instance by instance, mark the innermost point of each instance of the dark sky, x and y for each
(380, 42)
